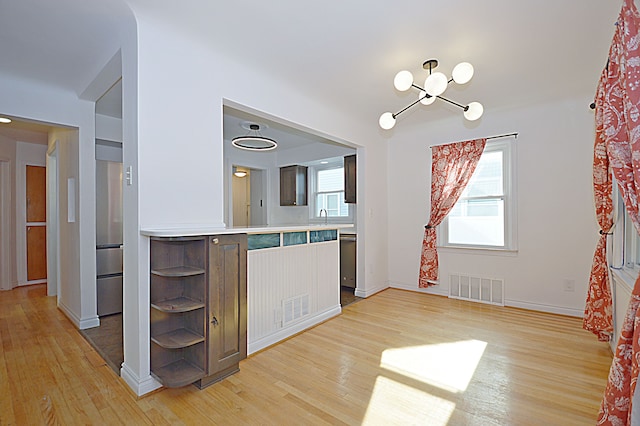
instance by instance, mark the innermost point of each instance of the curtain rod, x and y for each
(514, 134)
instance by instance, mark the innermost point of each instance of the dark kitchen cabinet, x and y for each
(350, 179)
(293, 186)
(227, 321)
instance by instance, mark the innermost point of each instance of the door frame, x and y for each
(53, 223)
(264, 187)
(21, 220)
(5, 224)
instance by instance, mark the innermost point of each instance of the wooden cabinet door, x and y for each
(293, 186)
(288, 186)
(36, 217)
(350, 179)
(227, 322)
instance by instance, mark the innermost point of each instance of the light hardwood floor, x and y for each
(395, 358)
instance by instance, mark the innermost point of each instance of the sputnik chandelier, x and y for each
(434, 86)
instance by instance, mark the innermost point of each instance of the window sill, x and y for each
(485, 251)
(341, 221)
(624, 276)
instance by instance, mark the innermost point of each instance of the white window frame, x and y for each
(625, 242)
(510, 214)
(313, 177)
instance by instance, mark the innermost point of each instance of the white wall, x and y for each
(556, 221)
(8, 155)
(108, 128)
(69, 292)
(180, 151)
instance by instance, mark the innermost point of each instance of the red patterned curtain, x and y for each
(452, 166)
(598, 316)
(618, 99)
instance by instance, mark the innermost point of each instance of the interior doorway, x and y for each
(36, 223)
(249, 197)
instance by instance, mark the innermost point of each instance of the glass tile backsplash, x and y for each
(294, 238)
(263, 241)
(324, 235)
(260, 241)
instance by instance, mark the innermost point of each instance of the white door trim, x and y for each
(5, 225)
(53, 222)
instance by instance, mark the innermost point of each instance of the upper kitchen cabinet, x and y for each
(350, 179)
(293, 186)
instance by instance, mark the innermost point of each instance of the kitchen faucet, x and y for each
(326, 215)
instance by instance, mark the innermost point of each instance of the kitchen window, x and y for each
(327, 185)
(484, 216)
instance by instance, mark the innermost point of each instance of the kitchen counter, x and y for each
(191, 231)
(293, 276)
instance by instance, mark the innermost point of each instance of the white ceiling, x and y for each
(25, 131)
(344, 53)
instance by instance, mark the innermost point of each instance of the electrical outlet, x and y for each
(569, 285)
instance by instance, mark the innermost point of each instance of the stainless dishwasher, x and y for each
(348, 260)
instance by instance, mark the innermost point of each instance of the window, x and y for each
(626, 241)
(328, 191)
(484, 215)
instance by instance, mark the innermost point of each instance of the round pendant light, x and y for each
(254, 141)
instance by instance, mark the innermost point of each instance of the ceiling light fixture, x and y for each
(5, 120)
(254, 141)
(434, 86)
(239, 173)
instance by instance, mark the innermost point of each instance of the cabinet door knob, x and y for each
(214, 241)
(214, 320)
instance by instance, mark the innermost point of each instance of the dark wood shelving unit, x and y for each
(178, 310)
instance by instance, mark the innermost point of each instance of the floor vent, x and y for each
(295, 308)
(476, 289)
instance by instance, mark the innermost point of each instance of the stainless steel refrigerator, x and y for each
(109, 236)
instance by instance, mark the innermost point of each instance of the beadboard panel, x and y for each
(327, 274)
(300, 280)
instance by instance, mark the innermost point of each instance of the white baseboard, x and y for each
(89, 322)
(80, 323)
(369, 291)
(414, 287)
(289, 331)
(69, 313)
(139, 386)
(32, 282)
(551, 309)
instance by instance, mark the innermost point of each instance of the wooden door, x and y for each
(36, 217)
(227, 325)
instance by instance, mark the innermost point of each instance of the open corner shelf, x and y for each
(178, 304)
(176, 339)
(178, 271)
(178, 373)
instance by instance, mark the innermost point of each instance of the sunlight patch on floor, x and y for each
(448, 366)
(396, 403)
